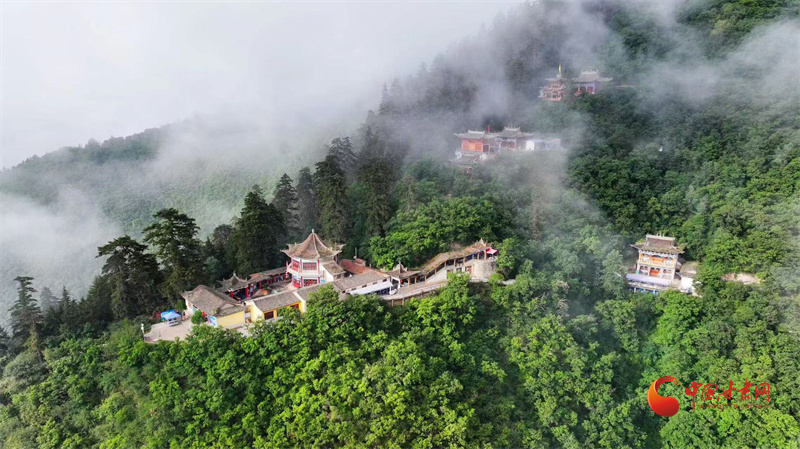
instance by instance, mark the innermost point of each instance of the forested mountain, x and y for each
(698, 137)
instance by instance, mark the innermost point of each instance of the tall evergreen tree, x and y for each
(285, 200)
(63, 317)
(66, 299)
(174, 239)
(372, 145)
(25, 313)
(329, 182)
(5, 342)
(342, 149)
(47, 300)
(95, 310)
(218, 257)
(307, 213)
(134, 275)
(256, 233)
(378, 176)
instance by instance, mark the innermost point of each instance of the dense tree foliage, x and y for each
(307, 214)
(135, 277)
(553, 351)
(331, 195)
(257, 234)
(25, 313)
(285, 200)
(174, 240)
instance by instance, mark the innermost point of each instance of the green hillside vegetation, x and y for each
(560, 357)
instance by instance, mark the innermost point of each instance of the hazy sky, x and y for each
(74, 71)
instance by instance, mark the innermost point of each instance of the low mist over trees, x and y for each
(697, 137)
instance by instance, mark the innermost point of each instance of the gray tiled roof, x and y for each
(276, 301)
(359, 280)
(313, 248)
(211, 301)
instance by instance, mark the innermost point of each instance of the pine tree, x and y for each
(218, 253)
(177, 248)
(329, 182)
(5, 342)
(65, 300)
(47, 300)
(378, 176)
(134, 275)
(285, 200)
(256, 233)
(94, 311)
(307, 213)
(342, 149)
(25, 313)
(372, 146)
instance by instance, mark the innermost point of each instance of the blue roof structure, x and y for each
(170, 315)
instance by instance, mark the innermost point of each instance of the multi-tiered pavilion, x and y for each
(313, 262)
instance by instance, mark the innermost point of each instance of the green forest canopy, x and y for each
(560, 358)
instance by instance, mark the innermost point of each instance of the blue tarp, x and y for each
(170, 315)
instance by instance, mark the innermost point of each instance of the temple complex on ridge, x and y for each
(315, 263)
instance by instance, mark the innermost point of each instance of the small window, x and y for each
(269, 315)
(309, 266)
(295, 306)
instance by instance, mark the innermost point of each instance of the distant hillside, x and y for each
(58, 208)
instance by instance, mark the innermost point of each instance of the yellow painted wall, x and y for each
(232, 320)
(258, 315)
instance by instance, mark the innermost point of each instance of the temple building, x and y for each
(313, 262)
(657, 264)
(217, 308)
(256, 285)
(474, 143)
(512, 139)
(555, 89)
(483, 143)
(589, 82)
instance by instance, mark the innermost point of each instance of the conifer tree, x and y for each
(25, 313)
(377, 175)
(95, 309)
(285, 200)
(329, 182)
(65, 300)
(134, 275)
(176, 246)
(342, 149)
(307, 213)
(5, 342)
(256, 233)
(47, 300)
